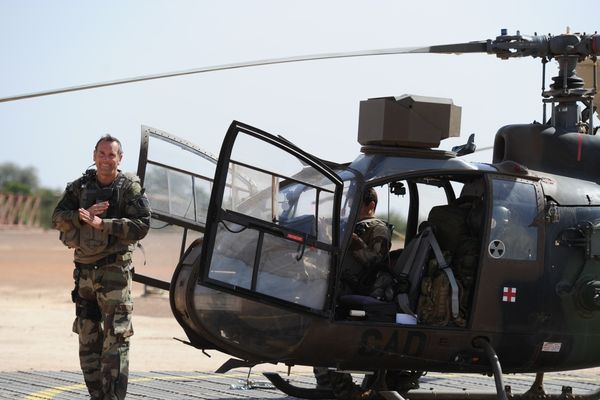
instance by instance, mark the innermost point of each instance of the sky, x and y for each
(52, 44)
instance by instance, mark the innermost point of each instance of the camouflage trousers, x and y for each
(103, 324)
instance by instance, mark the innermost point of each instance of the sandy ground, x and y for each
(36, 312)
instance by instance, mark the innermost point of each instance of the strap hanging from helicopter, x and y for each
(427, 238)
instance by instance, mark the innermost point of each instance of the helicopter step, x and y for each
(296, 391)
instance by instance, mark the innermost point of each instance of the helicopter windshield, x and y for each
(513, 233)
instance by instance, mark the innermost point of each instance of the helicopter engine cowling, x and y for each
(545, 148)
(585, 286)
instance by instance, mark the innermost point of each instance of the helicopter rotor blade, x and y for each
(504, 46)
(456, 48)
(453, 48)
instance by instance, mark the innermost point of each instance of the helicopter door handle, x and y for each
(301, 244)
(301, 247)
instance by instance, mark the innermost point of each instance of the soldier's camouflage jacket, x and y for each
(126, 221)
(373, 249)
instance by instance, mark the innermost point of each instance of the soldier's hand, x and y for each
(98, 208)
(356, 243)
(93, 220)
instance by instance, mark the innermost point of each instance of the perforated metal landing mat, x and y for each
(36, 385)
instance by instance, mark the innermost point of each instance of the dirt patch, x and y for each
(37, 313)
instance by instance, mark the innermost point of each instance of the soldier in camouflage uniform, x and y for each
(102, 215)
(371, 238)
(370, 249)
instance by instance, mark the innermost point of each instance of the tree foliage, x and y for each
(15, 179)
(49, 198)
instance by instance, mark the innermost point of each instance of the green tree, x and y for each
(15, 179)
(49, 199)
(16, 187)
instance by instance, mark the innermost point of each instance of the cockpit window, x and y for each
(294, 202)
(513, 232)
(395, 199)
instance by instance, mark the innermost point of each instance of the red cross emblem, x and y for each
(509, 295)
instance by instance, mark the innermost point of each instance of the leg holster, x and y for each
(87, 309)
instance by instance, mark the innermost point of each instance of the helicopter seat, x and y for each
(410, 268)
(367, 308)
(457, 227)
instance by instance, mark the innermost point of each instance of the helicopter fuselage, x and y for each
(537, 306)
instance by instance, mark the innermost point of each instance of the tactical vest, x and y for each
(88, 241)
(91, 193)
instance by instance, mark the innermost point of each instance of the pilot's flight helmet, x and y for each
(500, 216)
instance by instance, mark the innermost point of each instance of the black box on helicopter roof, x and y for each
(407, 121)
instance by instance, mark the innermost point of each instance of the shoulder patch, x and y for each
(131, 177)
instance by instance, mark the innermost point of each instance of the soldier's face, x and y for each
(107, 159)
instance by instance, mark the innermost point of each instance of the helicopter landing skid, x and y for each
(503, 392)
(296, 391)
(535, 392)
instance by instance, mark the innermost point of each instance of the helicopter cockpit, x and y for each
(472, 217)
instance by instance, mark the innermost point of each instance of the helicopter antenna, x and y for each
(591, 105)
(544, 62)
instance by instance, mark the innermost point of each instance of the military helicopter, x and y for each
(495, 265)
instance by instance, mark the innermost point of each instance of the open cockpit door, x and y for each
(177, 179)
(272, 231)
(177, 176)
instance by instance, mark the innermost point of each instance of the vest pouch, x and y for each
(92, 241)
(384, 287)
(434, 303)
(70, 238)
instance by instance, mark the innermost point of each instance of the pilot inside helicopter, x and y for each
(369, 246)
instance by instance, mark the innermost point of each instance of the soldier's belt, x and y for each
(111, 259)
